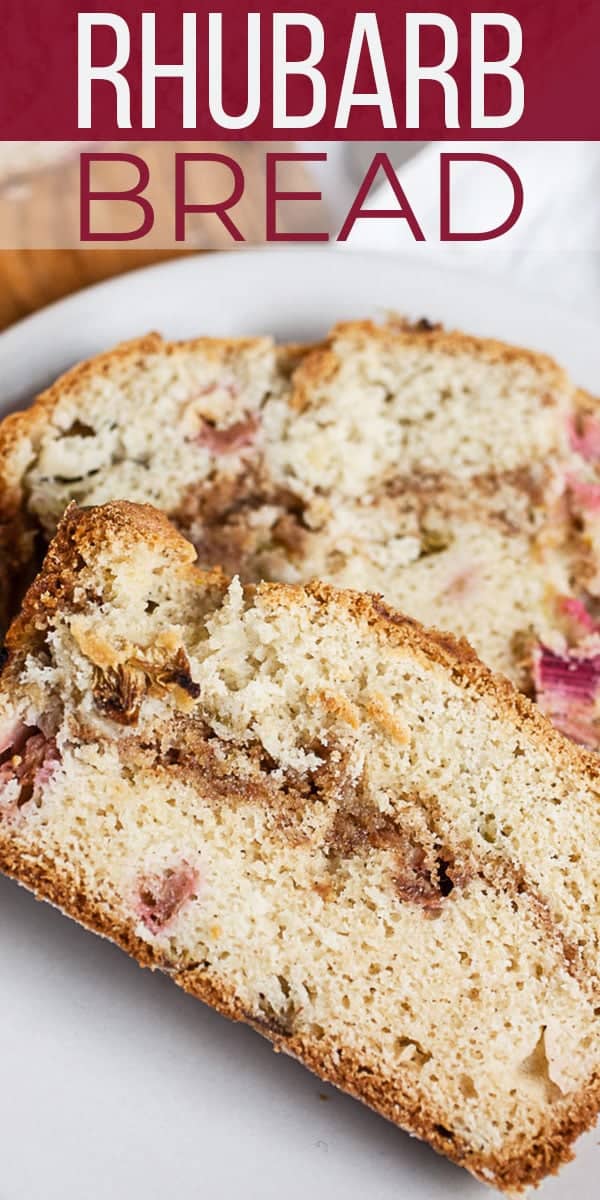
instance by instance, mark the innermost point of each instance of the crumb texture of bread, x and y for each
(456, 476)
(323, 820)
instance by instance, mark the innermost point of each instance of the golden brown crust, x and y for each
(586, 403)
(80, 535)
(321, 365)
(449, 341)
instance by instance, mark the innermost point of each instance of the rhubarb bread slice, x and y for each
(321, 819)
(452, 474)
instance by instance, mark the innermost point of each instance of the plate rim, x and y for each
(474, 278)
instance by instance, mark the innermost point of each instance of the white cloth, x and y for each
(554, 249)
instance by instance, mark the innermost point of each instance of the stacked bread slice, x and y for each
(456, 476)
(320, 819)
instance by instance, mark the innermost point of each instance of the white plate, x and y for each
(114, 1084)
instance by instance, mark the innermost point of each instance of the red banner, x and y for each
(333, 70)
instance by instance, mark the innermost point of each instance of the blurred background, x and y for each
(554, 249)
